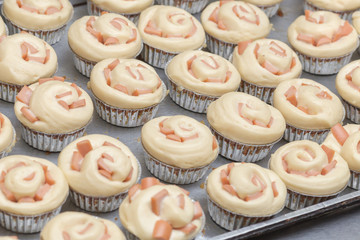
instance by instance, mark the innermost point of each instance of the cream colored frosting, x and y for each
(336, 5)
(7, 133)
(225, 117)
(88, 180)
(332, 23)
(241, 179)
(53, 117)
(208, 73)
(138, 217)
(14, 181)
(15, 69)
(78, 225)
(180, 31)
(323, 113)
(190, 153)
(233, 15)
(86, 45)
(3, 31)
(307, 157)
(356, 21)
(348, 83)
(262, 2)
(269, 51)
(131, 74)
(38, 20)
(123, 6)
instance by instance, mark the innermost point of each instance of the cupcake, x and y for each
(168, 31)
(93, 38)
(263, 64)
(76, 225)
(46, 20)
(343, 8)
(310, 172)
(243, 194)
(198, 78)
(156, 211)
(178, 149)
(100, 170)
(245, 127)
(7, 136)
(348, 86)
(323, 41)
(52, 113)
(129, 9)
(228, 22)
(32, 192)
(270, 7)
(191, 6)
(25, 59)
(127, 91)
(309, 108)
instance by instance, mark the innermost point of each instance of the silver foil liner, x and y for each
(354, 181)
(241, 152)
(8, 91)
(263, 93)
(352, 112)
(216, 46)
(8, 149)
(346, 15)
(294, 134)
(271, 10)
(191, 6)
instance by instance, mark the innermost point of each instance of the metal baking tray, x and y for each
(289, 10)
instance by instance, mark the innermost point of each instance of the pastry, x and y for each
(344, 8)
(270, 7)
(7, 136)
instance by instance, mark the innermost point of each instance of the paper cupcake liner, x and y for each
(346, 15)
(294, 134)
(263, 93)
(8, 149)
(191, 6)
(241, 152)
(216, 46)
(8, 91)
(269, 10)
(352, 112)
(354, 181)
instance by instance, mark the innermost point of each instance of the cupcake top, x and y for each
(123, 6)
(322, 34)
(179, 141)
(7, 133)
(171, 29)
(30, 185)
(345, 141)
(77, 225)
(3, 32)
(336, 5)
(245, 118)
(156, 211)
(263, 2)
(25, 58)
(126, 83)
(53, 106)
(348, 83)
(266, 62)
(99, 165)
(110, 35)
(204, 73)
(235, 21)
(247, 189)
(307, 104)
(356, 21)
(307, 168)
(38, 15)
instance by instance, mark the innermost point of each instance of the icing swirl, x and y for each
(348, 83)
(123, 6)
(336, 5)
(7, 136)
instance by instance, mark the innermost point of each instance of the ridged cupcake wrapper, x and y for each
(352, 112)
(216, 46)
(294, 134)
(191, 6)
(263, 93)
(354, 181)
(347, 15)
(9, 91)
(241, 152)
(270, 10)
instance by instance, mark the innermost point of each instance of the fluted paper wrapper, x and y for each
(354, 181)
(8, 91)
(263, 93)
(269, 10)
(221, 48)
(352, 112)
(294, 134)
(346, 15)
(191, 6)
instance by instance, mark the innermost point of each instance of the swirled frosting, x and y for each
(179, 141)
(266, 62)
(25, 58)
(123, 6)
(356, 21)
(322, 34)
(204, 73)
(7, 136)
(307, 104)
(348, 83)
(30, 185)
(98, 165)
(235, 21)
(171, 29)
(306, 168)
(38, 15)
(126, 83)
(151, 207)
(108, 36)
(53, 106)
(336, 5)
(246, 189)
(262, 2)
(245, 118)
(76, 225)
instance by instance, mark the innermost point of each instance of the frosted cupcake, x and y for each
(344, 8)
(178, 149)
(310, 172)
(198, 78)
(191, 6)
(7, 136)
(46, 20)
(52, 113)
(270, 7)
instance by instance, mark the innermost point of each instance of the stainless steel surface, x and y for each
(131, 137)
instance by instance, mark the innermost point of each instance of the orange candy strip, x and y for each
(133, 36)
(190, 61)
(105, 174)
(173, 137)
(111, 41)
(187, 229)
(162, 230)
(138, 92)
(30, 9)
(181, 200)
(198, 212)
(214, 144)
(308, 17)
(35, 59)
(116, 24)
(148, 182)
(151, 29)
(328, 167)
(323, 41)
(51, 10)
(156, 201)
(282, 51)
(166, 131)
(339, 133)
(84, 147)
(183, 139)
(275, 191)
(63, 104)
(2, 120)
(19, 3)
(24, 95)
(108, 157)
(26, 200)
(221, 25)
(107, 75)
(256, 49)
(222, 2)
(121, 20)
(259, 123)
(47, 56)
(324, 95)
(8, 194)
(48, 178)
(113, 64)
(90, 21)
(78, 104)
(121, 88)
(193, 29)
(95, 33)
(214, 15)
(102, 166)
(133, 190)
(343, 31)
(24, 51)
(128, 178)
(229, 167)
(306, 38)
(271, 68)
(30, 47)
(291, 95)
(229, 189)
(224, 177)
(329, 152)
(63, 94)
(40, 193)
(30, 177)
(29, 115)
